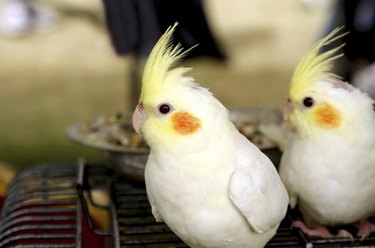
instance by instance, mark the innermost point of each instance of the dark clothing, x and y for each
(358, 18)
(360, 22)
(136, 25)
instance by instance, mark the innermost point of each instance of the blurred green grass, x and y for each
(37, 108)
(70, 74)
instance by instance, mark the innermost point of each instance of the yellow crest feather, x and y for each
(314, 66)
(158, 73)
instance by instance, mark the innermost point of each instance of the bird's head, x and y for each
(173, 108)
(318, 100)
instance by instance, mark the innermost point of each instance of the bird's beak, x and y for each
(139, 116)
(287, 109)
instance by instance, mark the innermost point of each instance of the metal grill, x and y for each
(49, 206)
(40, 209)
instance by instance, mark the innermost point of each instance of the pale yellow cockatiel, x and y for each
(205, 180)
(328, 166)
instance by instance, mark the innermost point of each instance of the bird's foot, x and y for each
(344, 234)
(320, 231)
(365, 228)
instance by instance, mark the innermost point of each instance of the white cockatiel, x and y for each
(204, 179)
(328, 166)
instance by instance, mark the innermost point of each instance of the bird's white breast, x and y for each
(333, 180)
(192, 196)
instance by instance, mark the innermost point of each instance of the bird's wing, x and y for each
(257, 191)
(287, 177)
(154, 209)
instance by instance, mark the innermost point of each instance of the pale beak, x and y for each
(139, 116)
(287, 109)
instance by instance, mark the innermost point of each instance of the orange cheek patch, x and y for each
(185, 123)
(328, 117)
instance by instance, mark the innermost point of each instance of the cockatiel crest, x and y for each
(159, 73)
(315, 67)
(204, 179)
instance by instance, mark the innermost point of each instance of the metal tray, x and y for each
(131, 160)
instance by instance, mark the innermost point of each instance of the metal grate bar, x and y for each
(10, 208)
(45, 246)
(80, 186)
(36, 219)
(38, 211)
(141, 212)
(39, 237)
(145, 231)
(150, 241)
(78, 236)
(115, 226)
(41, 188)
(49, 198)
(47, 227)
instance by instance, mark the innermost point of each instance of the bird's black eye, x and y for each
(164, 108)
(308, 102)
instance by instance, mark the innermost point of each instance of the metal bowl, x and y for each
(105, 133)
(131, 160)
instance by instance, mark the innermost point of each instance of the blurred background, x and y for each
(62, 68)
